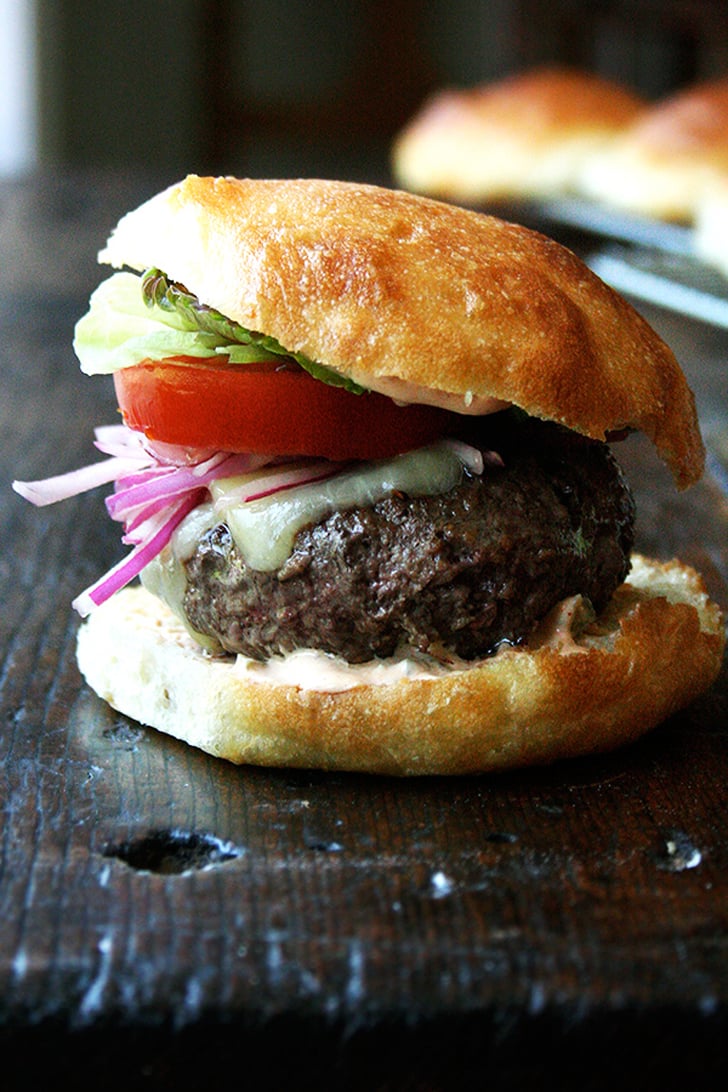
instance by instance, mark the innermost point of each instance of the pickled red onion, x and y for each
(157, 486)
(130, 566)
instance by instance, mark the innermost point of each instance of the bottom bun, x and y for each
(657, 646)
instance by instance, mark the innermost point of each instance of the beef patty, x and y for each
(461, 572)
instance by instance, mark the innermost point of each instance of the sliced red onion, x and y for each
(139, 490)
(130, 566)
(492, 458)
(63, 486)
(147, 522)
(288, 478)
(120, 440)
(472, 457)
(156, 486)
(175, 455)
(134, 525)
(469, 456)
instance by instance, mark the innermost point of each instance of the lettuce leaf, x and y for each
(131, 319)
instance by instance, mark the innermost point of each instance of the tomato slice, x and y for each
(268, 408)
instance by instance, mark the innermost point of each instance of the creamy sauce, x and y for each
(399, 390)
(311, 669)
(557, 630)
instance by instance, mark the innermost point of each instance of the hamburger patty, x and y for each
(459, 572)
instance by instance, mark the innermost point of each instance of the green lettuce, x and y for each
(131, 319)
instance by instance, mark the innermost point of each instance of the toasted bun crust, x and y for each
(527, 135)
(519, 707)
(378, 284)
(664, 160)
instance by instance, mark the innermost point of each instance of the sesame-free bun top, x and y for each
(421, 299)
(662, 163)
(523, 136)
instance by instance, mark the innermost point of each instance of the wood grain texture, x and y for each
(167, 920)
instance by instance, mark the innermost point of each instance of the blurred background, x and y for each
(300, 86)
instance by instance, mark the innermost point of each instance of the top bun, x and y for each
(414, 296)
(662, 163)
(524, 136)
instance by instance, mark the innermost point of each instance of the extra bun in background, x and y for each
(532, 362)
(527, 135)
(663, 162)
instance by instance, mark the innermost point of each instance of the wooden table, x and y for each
(168, 920)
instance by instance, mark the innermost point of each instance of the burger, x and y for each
(364, 471)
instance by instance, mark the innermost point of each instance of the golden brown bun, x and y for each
(377, 284)
(524, 136)
(519, 707)
(663, 162)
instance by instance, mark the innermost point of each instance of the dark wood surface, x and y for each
(168, 920)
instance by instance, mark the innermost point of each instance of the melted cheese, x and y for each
(264, 530)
